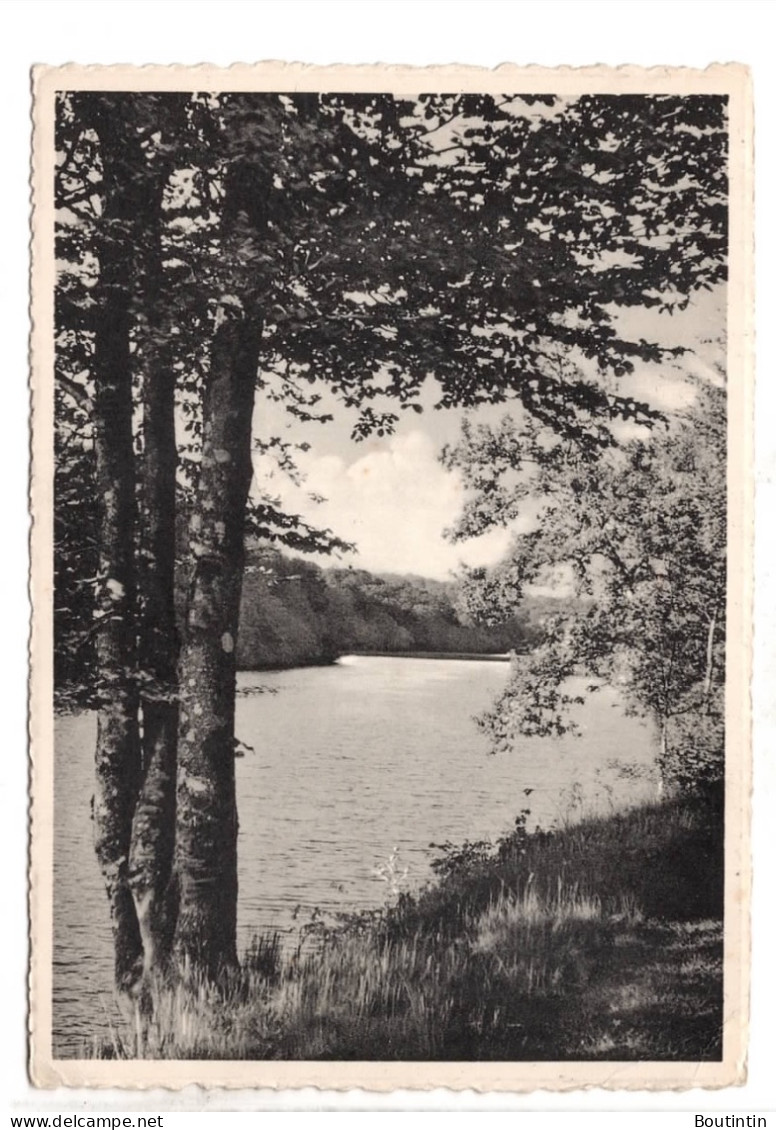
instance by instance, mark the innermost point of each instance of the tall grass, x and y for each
(602, 940)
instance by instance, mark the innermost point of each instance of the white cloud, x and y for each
(394, 501)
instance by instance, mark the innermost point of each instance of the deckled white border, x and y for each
(732, 80)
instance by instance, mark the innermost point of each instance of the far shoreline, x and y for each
(486, 657)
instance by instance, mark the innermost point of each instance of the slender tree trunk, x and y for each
(206, 818)
(153, 826)
(117, 757)
(707, 682)
(661, 765)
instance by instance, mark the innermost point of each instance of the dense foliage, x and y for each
(639, 537)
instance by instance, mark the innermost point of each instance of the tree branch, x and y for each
(77, 392)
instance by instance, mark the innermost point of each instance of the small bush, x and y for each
(694, 762)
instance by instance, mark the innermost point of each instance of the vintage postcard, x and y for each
(391, 573)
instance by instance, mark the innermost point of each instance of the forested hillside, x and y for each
(294, 613)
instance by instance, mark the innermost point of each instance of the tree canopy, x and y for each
(465, 237)
(639, 537)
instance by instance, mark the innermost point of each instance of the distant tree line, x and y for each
(294, 613)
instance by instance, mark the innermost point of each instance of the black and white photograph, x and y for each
(391, 645)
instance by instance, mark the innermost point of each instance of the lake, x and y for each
(348, 764)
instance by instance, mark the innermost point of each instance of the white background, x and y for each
(485, 32)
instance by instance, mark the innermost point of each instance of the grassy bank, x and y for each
(598, 941)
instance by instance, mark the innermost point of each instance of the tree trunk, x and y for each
(153, 826)
(117, 756)
(661, 764)
(134, 844)
(206, 817)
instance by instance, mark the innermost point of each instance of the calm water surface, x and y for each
(349, 762)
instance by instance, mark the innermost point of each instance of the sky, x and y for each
(394, 499)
